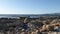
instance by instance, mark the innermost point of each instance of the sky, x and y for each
(29, 6)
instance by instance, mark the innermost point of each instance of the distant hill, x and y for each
(18, 15)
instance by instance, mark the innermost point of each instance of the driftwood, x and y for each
(49, 27)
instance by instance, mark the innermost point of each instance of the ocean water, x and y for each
(27, 15)
(18, 15)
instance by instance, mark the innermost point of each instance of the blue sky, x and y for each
(29, 6)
